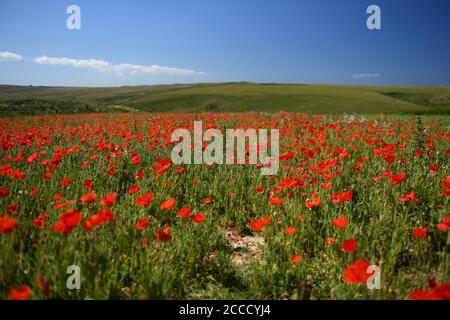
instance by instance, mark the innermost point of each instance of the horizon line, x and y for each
(229, 82)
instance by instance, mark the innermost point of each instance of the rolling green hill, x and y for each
(226, 97)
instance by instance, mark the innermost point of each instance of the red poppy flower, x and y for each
(139, 175)
(134, 189)
(97, 219)
(397, 178)
(4, 192)
(314, 203)
(109, 199)
(340, 222)
(442, 291)
(295, 259)
(19, 157)
(163, 235)
(145, 200)
(446, 220)
(67, 222)
(198, 218)
(34, 192)
(22, 292)
(331, 240)
(207, 200)
(43, 285)
(39, 222)
(88, 198)
(136, 160)
(260, 189)
(338, 197)
(162, 165)
(290, 230)
(349, 245)
(419, 233)
(12, 208)
(168, 204)
(258, 224)
(421, 294)
(91, 222)
(437, 292)
(88, 185)
(57, 196)
(356, 272)
(408, 197)
(180, 169)
(63, 204)
(434, 167)
(326, 186)
(299, 218)
(84, 165)
(275, 201)
(184, 212)
(418, 153)
(33, 157)
(111, 171)
(65, 182)
(18, 174)
(141, 224)
(389, 159)
(47, 175)
(7, 225)
(446, 182)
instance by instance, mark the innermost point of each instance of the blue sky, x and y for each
(302, 41)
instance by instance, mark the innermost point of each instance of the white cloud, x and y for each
(366, 75)
(117, 69)
(9, 56)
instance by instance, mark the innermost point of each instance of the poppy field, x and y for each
(354, 198)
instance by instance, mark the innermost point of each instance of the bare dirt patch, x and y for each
(245, 248)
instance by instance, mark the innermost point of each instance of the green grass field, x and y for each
(226, 97)
(247, 236)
